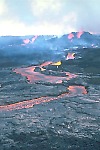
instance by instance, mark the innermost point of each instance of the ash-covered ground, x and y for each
(71, 123)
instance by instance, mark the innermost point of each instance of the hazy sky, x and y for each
(22, 17)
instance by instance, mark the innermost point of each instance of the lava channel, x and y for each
(73, 91)
(33, 76)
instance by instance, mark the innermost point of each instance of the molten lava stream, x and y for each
(33, 76)
(73, 90)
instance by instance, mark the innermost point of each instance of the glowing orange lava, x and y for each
(34, 38)
(26, 41)
(70, 56)
(73, 90)
(70, 36)
(77, 90)
(79, 34)
(56, 63)
(33, 76)
(70, 75)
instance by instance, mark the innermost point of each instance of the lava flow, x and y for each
(79, 34)
(77, 90)
(70, 36)
(73, 90)
(26, 41)
(33, 76)
(70, 56)
(34, 38)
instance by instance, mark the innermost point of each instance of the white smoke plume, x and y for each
(24, 17)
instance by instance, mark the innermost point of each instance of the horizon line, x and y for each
(51, 34)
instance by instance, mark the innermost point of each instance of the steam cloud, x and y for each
(21, 17)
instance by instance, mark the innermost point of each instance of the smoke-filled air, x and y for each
(48, 17)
